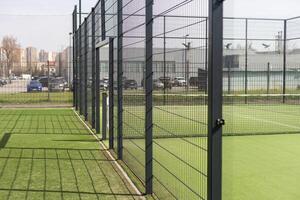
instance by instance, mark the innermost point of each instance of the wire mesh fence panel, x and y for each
(157, 126)
(253, 57)
(292, 54)
(260, 102)
(82, 70)
(134, 98)
(256, 76)
(111, 32)
(180, 103)
(26, 62)
(89, 68)
(78, 69)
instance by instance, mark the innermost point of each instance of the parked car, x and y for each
(167, 81)
(130, 84)
(3, 82)
(199, 82)
(158, 85)
(179, 81)
(35, 78)
(64, 81)
(44, 80)
(56, 85)
(34, 86)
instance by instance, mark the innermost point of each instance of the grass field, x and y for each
(36, 98)
(49, 154)
(260, 151)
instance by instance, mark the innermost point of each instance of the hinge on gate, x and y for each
(220, 122)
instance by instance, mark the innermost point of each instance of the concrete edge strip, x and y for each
(121, 170)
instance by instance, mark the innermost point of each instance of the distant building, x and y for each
(31, 56)
(52, 56)
(51, 67)
(2, 62)
(23, 59)
(16, 64)
(67, 64)
(43, 56)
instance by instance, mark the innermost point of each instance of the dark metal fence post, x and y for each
(148, 93)
(85, 69)
(76, 83)
(268, 77)
(206, 53)
(111, 94)
(80, 61)
(246, 62)
(93, 69)
(103, 31)
(284, 60)
(165, 82)
(120, 79)
(74, 57)
(97, 91)
(80, 12)
(80, 72)
(104, 115)
(215, 79)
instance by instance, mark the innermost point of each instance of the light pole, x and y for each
(187, 46)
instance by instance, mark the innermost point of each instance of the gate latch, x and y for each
(220, 122)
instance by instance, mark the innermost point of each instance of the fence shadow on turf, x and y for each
(60, 171)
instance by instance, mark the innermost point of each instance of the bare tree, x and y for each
(11, 48)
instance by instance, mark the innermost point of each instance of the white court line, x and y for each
(268, 121)
(121, 170)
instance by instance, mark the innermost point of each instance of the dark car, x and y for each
(199, 82)
(167, 81)
(56, 85)
(2, 82)
(130, 84)
(34, 78)
(44, 81)
(34, 86)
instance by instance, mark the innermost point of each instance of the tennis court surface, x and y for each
(260, 147)
(49, 154)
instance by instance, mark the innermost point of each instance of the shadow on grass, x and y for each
(78, 162)
(4, 140)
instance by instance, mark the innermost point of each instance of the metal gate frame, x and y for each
(107, 42)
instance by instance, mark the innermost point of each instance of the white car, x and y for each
(179, 81)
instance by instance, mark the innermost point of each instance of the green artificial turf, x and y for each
(49, 154)
(36, 98)
(260, 150)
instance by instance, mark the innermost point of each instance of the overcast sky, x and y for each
(45, 24)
